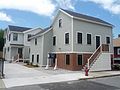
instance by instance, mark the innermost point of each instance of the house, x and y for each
(17, 42)
(75, 40)
(116, 45)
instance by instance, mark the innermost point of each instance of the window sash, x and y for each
(67, 38)
(15, 36)
(88, 38)
(35, 41)
(79, 38)
(79, 59)
(54, 40)
(67, 59)
(107, 40)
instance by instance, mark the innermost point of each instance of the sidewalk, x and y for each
(2, 85)
(21, 75)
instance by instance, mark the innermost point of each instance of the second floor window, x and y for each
(9, 36)
(15, 36)
(54, 40)
(88, 38)
(60, 23)
(79, 38)
(66, 38)
(107, 40)
(35, 41)
(29, 35)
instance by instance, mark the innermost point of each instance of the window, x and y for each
(32, 58)
(9, 36)
(107, 40)
(118, 51)
(35, 41)
(60, 23)
(54, 40)
(88, 38)
(8, 49)
(66, 38)
(37, 58)
(79, 59)
(67, 59)
(15, 36)
(29, 35)
(79, 38)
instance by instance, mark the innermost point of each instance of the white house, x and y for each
(75, 40)
(17, 42)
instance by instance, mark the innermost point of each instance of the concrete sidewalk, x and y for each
(18, 75)
(2, 85)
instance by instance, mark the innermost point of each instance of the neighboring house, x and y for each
(75, 40)
(17, 42)
(116, 45)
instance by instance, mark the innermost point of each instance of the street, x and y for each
(107, 83)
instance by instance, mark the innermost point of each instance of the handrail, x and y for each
(94, 54)
(100, 49)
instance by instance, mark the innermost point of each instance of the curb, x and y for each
(94, 77)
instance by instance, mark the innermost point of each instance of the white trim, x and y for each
(106, 37)
(93, 21)
(73, 52)
(77, 37)
(95, 40)
(29, 30)
(86, 19)
(91, 39)
(118, 51)
(55, 41)
(36, 36)
(72, 34)
(64, 38)
(66, 13)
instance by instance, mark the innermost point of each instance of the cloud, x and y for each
(111, 5)
(66, 4)
(5, 17)
(41, 7)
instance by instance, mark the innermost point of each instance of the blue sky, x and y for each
(40, 13)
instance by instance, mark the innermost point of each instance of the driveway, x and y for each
(19, 75)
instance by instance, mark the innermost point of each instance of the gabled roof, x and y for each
(18, 28)
(43, 31)
(86, 17)
(116, 42)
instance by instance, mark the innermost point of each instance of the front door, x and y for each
(20, 52)
(97, 41)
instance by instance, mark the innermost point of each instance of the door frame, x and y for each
(95, 40)
(18, 50)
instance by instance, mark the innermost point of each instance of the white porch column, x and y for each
(55, 64)
(3, 53)
(10, 57)
(47, 66)
(23, 53)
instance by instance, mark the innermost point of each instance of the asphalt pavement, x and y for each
(106, 83)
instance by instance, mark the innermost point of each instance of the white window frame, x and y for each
(91, 38)
(52, 40)
(109, 37)
(77, 38)
(77, 59)
(118, 51)
(69, 38)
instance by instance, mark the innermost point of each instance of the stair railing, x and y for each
(98, 51)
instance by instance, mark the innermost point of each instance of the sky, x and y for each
(40, 13)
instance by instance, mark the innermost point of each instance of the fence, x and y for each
(1, 68)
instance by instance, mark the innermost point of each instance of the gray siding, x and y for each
(37, 49)
(94, 29)
(59, 32)
(47, 47)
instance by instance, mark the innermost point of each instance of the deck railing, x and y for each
(98, 51)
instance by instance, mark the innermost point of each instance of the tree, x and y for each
(1, 39)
